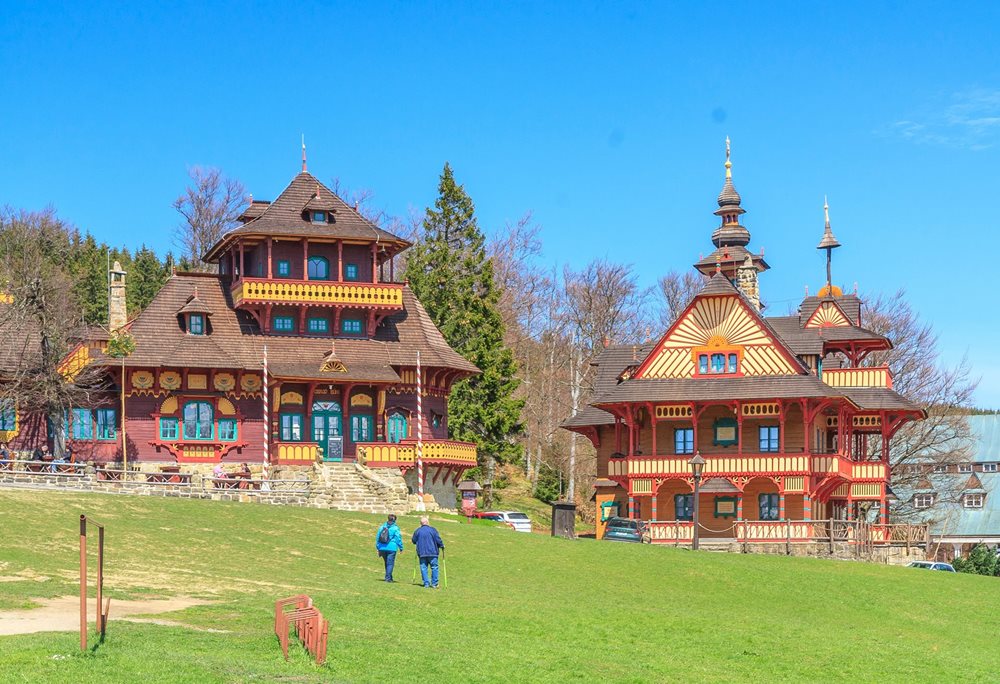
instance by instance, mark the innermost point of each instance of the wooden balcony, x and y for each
(749, 465)
(388, 296)
(876, 376)
(404, 454)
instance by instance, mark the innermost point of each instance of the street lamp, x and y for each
(697, 464)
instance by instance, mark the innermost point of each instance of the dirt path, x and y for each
(63, 614)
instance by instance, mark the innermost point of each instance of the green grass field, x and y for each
(518, 608)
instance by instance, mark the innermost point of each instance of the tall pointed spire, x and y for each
(730, 232)
(829, 243)
(303, 153)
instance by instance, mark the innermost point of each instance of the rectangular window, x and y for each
(8, 416)
(923, 501)
(768, 506)
(284, 268)
(733, 363)
(284, 324)
(227, 430)
(684, 441)
(83, 424)
(989, 467)
(361, 428)
(973, 500)
(350, 326)
(319, 217)
(769, 438)
(319, 325)
(107, 424)
(965, 468)
(168, 428)
(703, 364)
(683, 506)
(197, 324)
(718, 363)
(350, 271)
(291, 427)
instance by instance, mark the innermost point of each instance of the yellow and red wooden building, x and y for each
(792, 424)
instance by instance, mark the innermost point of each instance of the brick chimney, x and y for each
(117, 315)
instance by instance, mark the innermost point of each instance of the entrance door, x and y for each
(326, 430)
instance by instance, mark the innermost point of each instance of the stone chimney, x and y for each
(746, 281)
(117, 315)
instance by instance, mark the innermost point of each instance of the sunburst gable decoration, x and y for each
(331, 364)
(716, 323)
(828, 315)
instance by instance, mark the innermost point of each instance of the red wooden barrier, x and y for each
(310, 627)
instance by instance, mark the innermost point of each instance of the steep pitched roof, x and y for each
(284, 217)
(237, 342)
(610, 364)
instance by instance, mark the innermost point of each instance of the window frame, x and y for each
(200, 318)
(685, 445)
(773, 445)
(725, 423)
(968, 498)
(989, 467)
(356, 420)
(706, 361)
(318, 319)
(774, 509)
(395, 417)
(923, 501)
(289, 428)
(8, 415)
(317, 260)
(82, 417)
(229, 422)
(344, 324)
(938, 469)
(198, 422)
(284, 269)
(176, 424)
(351, 272)
(102, 435)
(290, 320)
(318, 217)
(965, 468)
(688, 501)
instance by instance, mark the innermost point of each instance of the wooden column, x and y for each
(374, 262)
(302, 320)
(340, 261)
(305, 258)
(269, 270)
(652, 425)
(631, 507)
(242, 271)
(739, 428)
(805, 425)
(392, 269)
(336, 322)
(345, 408)
(267, 318)
(310, 394)
(656, 491)
(695, 413)
(781, 427)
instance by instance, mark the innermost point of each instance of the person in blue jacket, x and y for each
(389, 542)
(428, 541)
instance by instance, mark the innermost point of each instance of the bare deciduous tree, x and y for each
(676, 290)
(44, 319)
(945, 392)
(210, 206)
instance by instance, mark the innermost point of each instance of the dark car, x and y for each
(624, 529)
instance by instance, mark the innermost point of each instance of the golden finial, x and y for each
(729, 164)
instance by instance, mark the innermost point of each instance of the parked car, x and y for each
(931, 565)
(624, 529)
(519, 521)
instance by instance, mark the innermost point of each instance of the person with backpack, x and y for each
(428, 541)
(389, 542)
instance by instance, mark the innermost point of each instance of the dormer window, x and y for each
(973, 500)
(965, 468)
(319, 217)
(196, 324)
(718, 363)
(921, 501)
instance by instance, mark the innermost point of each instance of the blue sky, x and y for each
(607, 120)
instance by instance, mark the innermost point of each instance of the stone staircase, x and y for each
(353, 487)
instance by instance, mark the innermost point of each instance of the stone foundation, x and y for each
(887, 555)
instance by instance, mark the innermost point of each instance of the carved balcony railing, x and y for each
(876, 376)
(317, 292)
(404, 454)
(714, 465)
(297, 453)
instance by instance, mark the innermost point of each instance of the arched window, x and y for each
(396, 428)
(319, 268)
(198, 420)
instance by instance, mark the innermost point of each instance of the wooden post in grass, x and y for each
(83, 583)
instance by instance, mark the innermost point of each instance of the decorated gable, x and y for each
(717, 336)
(828, 315)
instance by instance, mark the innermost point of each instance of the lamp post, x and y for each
(697, 464)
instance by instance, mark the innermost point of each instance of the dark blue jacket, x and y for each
(428, 541)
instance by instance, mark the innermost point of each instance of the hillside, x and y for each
(517, 608)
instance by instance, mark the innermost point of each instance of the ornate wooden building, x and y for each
(302, 348)
(792, 424)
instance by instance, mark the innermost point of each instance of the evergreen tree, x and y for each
(145, 279)
(452, 276)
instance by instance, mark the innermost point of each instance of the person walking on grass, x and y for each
(389, 542)
(428, 542)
